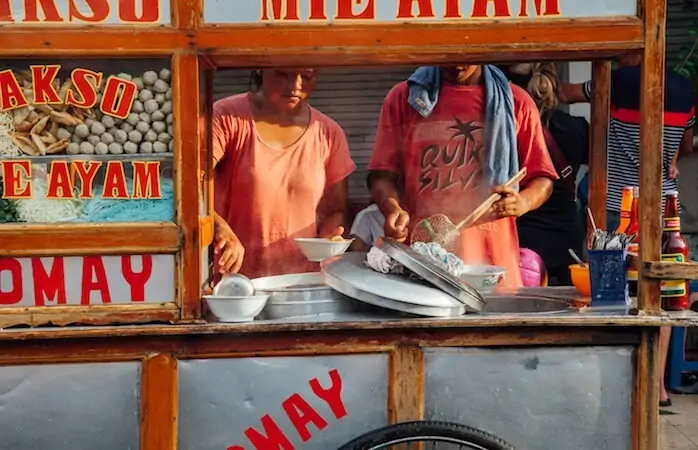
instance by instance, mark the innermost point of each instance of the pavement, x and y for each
(678, 426)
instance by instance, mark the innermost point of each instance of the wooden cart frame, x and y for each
(196, 50)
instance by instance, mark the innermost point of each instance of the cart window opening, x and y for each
(293, 150)
(86, 141)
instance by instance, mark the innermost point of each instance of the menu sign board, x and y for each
(86, 280)
(84, 12)
(351, 11)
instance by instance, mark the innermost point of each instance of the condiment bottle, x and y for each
(634, 228)
(675, 294)
(626, 205)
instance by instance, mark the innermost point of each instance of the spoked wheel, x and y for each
(425, 435)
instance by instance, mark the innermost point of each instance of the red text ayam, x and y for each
(304, 418)
(288, 10)
(63, 177)
(117, 98)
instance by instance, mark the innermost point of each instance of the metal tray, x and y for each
(433, 274)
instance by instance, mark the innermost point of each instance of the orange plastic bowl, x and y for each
(581, 279)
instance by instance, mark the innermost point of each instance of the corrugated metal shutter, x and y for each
(351, 97)
(681, 17)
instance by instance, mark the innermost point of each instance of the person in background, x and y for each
(280, 172)
(624, 145)
(449, 136)
(368, 225)
(556, 226)
(624, 128)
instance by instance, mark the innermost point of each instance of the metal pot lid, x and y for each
(455, 310)
(433, 274)
(349, 275)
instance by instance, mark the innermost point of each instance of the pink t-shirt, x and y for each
(270, 196)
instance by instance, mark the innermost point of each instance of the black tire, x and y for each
(427, 431)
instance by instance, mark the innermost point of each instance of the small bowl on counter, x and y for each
(581, 279)
(234, 285)
(236, 309)
(319, 249)
(482, 277)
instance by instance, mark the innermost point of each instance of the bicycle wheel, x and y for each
(433, 436)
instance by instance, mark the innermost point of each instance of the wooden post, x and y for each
(406, 392)
(651, 148)
(598, 141)
(185, 75)
(647, 368)
(645, 407)
(159, 402)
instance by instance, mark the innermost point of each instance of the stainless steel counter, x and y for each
(371, 318)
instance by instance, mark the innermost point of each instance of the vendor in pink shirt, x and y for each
(281, 170)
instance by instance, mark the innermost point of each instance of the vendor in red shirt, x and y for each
(432, 146)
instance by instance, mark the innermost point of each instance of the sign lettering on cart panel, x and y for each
(304, 418)
(350, 11)
(86, 280)
(17, 177)
(84, 12)
(117, 101)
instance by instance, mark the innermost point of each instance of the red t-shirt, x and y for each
(438, 160)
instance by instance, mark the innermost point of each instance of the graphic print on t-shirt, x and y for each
(455, 163)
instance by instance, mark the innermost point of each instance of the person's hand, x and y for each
(334, 235)
(228, 249)
(396, 221)
(512, 203)
(673, 171)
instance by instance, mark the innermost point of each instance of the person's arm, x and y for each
(386, 163)
(533, 155)
(685, 148)
(537, 192)
(569, 93)
(332, 209)
(384, 189)
(226, 245)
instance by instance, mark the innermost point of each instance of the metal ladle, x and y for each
(576, 258)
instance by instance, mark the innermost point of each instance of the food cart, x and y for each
(103, 344)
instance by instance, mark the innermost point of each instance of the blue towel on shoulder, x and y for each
(500, 160)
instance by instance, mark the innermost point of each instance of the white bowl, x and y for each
(319, 249)
(483, 278)
(236, 309)
(234, 285)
